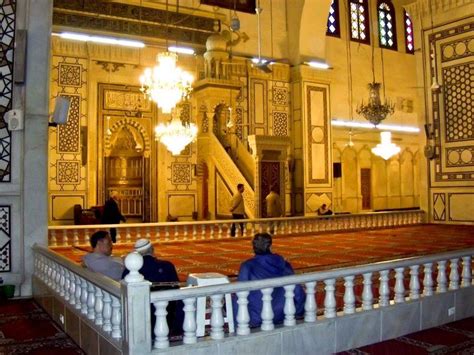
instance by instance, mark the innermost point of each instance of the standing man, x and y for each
(100, 260)
(274, 209)
(238, 209)
(112, 214)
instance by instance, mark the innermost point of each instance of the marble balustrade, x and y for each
(91, 295)
(117, 311)
(219, 229)
(405, 271)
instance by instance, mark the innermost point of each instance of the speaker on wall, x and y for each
(337, 170)
(61, 109)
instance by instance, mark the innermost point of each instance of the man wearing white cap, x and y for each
(160, 271)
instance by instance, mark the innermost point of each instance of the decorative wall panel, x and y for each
(223, 196)
(461, 208)
(7, 39)
(318, 134)
(181, 205)
(439, 207)
(280, 124)
(452, 106)
(5, 239)
(181, 173)
(68, 142)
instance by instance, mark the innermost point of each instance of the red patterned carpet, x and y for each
(26, 329)
(307, 252)
(452, 338)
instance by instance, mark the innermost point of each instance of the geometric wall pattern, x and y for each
(69, 133)
(452, 106)
(181, 173)
(5, 239)
(7, 40)
(439, 207)
(280, 123)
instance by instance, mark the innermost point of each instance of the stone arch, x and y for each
(128, 121)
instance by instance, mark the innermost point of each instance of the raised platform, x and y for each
(308, 252)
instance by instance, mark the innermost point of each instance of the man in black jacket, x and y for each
(163, 275)
(112, 214)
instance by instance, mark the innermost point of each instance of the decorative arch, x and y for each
(127, 121)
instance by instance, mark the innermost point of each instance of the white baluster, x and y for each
(267, 310)
(367, 296)
(86, 236)
(62, 281)
(252, 228)
(167, 233)
(90, 300)
(83, 296)
(219, 233)
(78, 292)
(107, 312)
(203, 231)
(189, 325)
(176, 232)
(217, 319)
(157, 233)
(330, 298)
(349, 297)
(72, 288)
(243, 316)
(53, 240)
(128, 235)
(99, 306)
(148, 233)
(194, 232)
(289, 309)
(442, 279)
(310, 306)
(466, 271)
(454, 275)
(384, 290)
(399, 286)
(414, 283)
(161, 326)
(428, 279)
(64, 243)
(212, 231)
(76, 237)
(116, 318)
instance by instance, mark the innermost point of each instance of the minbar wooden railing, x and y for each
(219, 229)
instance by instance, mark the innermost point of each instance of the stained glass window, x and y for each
(359, 21)
(333, 20)
(387, 28)
(409, 40)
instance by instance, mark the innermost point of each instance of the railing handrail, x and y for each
(168, 295)
(227, 221)
(106, 283)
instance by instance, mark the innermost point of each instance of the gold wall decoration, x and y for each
(126, 101)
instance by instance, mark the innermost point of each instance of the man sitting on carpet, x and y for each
(163, 275)
(265, 265)
(100, 260)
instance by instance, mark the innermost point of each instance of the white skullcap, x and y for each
(142, 245)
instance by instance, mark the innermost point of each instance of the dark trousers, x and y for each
(233, 227)
(113, 234)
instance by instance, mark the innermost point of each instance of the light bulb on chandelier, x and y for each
(386, 149)
(175, 134)
(165, 83)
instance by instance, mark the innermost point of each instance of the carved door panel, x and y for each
(365, 189)
(270, 176)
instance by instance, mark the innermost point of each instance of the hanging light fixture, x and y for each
(166, 84)
(175, 134)
(386, 149)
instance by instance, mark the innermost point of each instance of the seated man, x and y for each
(160, 271)
(324, 210)
(266, 265)
(100, 260)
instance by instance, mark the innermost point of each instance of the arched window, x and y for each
(334, 28)
(387, 27)
(359, 21)
(409, 40)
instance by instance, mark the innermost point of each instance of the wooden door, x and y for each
(270, 176)
(365, 189)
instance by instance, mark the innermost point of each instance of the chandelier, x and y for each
(176, 135)
(165, 83)
(386, 149)
(375, 111)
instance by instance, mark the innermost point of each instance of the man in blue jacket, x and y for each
(265, 265)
